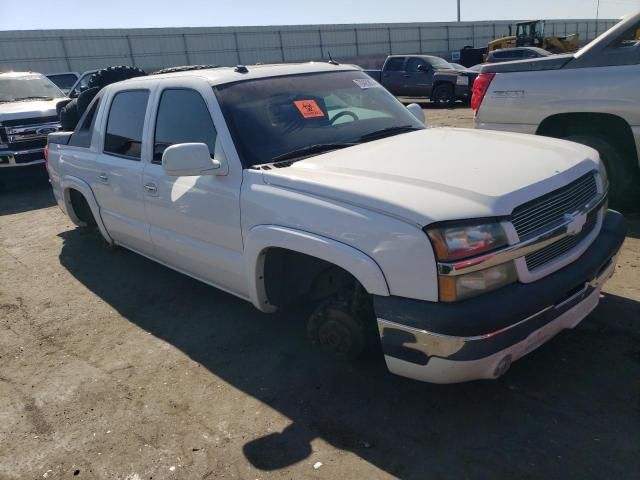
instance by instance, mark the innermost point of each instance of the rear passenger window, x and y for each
(81, 136)
(395, 64)
(183, 117)
(124, 126)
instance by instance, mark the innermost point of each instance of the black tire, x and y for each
(69, 115)
(620, 172)
(81, 208)
(84, 99)
(60, 105)
(443, 95)
(183, 68)
(110, 75)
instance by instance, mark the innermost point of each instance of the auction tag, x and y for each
(365, 83)
(309, 108)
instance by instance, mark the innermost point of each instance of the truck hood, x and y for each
(37, 108)
(439, 174)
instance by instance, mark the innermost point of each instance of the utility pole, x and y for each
(459, 8)
(597, 16)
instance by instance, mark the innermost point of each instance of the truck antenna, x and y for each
(331, 60)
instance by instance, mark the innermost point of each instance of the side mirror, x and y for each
(190, 159)
(423, 68)
(416, 111)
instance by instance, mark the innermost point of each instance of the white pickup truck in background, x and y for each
(27, 115)
(455, 251)
(590, 97)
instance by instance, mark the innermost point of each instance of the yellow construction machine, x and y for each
(531, 34)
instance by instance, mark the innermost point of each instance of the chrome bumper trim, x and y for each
(521, 249)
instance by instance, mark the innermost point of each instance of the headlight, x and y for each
(603, 176)
(465, 240)
(456, 242)
(453, 289)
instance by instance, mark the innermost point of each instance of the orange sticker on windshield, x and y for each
(309, 108)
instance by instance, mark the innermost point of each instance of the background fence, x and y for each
(50, 51)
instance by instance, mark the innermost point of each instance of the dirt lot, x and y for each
(114, 367)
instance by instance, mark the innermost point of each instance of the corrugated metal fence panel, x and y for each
(59, 50)
(372, 41)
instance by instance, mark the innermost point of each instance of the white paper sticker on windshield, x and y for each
(366, 83)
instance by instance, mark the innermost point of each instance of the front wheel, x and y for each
(443, 96)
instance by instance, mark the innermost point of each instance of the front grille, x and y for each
(23, 122)
(542, 214)
(29, 157)
(27, 134)
(38, 142)
(550, 252)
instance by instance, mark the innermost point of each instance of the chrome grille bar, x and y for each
(545, 212)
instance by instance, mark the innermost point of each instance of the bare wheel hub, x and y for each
(334, 328)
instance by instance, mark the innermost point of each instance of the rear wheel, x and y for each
(81, 208)
(620, 173)
(443, 96)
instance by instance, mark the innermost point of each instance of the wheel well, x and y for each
(291, 277)
(81, 207)
(603, 125)
(440, 83)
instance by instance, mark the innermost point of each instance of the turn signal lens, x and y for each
(46, 156)
(453, 289)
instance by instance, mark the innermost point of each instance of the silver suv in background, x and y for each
(590, 97)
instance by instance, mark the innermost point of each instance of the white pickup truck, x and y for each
(454, 251)
(590, 97)
(27, 115)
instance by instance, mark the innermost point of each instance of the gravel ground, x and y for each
(114, 367)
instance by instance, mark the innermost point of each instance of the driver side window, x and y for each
(183, 117)
(416, 65)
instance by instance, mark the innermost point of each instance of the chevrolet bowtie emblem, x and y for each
(575, 222)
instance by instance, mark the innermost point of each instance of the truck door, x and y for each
(116, 178)
(418, 78)
(195, 220)
(393, 75)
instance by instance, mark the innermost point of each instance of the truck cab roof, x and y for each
(222, 75)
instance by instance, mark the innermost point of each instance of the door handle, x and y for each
(103, 177)
(405, 75)
(150, 187)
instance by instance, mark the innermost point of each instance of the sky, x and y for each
(46, 14)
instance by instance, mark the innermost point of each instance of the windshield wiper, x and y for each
(35, 97)
(311, 150)
(387, 132)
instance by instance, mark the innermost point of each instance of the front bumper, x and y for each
(479, 338)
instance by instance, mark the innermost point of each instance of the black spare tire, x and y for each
(110, 75)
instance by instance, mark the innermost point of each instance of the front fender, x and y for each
(69, 182)
(262, 237)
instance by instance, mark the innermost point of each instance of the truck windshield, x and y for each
(29, 87)
(273, 118)
(440, 64)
